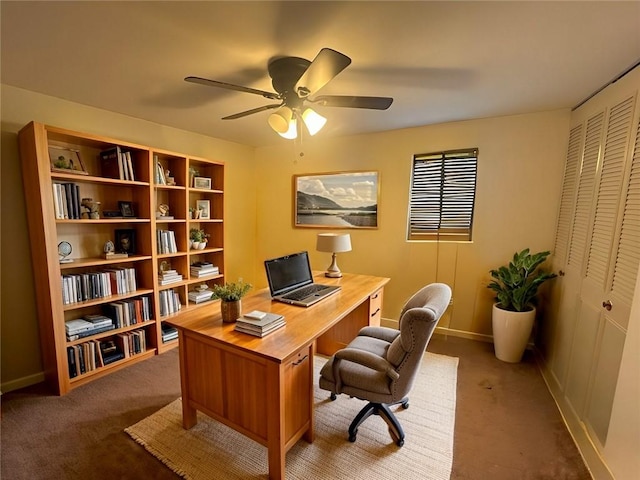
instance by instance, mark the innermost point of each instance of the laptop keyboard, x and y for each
(304, 292)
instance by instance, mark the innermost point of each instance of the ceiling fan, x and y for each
(295, 81)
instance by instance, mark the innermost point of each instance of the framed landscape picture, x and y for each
(336, 200)
(66, 160)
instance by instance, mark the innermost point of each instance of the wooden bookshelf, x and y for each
(147, 193)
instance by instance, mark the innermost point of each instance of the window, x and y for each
(443, 188)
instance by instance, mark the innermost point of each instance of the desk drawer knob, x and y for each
(376, 312)
(300, 361)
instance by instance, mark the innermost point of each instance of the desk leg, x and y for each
(275, 427)
(189, 414)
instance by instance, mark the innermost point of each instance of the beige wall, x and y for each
(520, 167)
(20, 354)
(519, 180)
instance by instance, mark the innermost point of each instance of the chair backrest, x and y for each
(418, 320)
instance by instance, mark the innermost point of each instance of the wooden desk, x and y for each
(263, 387)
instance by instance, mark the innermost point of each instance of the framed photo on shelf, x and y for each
(126, 209)
(203, 183)
(66, 160)
(336, 200)
(205, 209)
(125, 241)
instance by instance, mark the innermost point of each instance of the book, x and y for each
(260, 323)
(112, 163)
(255, 315)
(260, 332)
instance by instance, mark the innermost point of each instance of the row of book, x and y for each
(169, 333)
(87, 326)
(166, 241)
(169, 302)
(129, 312)
(117, 163)
(66, 200)
(88, 356)
(259, 323)
(203, 269)
(81, 287)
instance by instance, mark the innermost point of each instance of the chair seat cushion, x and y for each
(373, 345)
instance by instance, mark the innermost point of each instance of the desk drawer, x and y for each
(375, 308)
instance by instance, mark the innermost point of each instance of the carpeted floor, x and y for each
(212, 450)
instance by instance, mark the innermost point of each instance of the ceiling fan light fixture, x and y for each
(281, 120)
(313, 120)
(292, 131)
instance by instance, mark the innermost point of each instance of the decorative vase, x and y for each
(511, 332)
(230, 310)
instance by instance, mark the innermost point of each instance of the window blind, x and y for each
(443, 187)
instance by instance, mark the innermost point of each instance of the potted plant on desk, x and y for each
(516, 286)
(230, 295)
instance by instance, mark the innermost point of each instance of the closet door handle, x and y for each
(561, 273)
(607, 305)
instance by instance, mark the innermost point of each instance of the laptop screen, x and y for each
(288, 272)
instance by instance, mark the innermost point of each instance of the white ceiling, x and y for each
(440, 61)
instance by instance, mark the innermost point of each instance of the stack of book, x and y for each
(259, 323)
(169, 276)
(168, 333)
(203, 269)
(85, 327)
(199, 296)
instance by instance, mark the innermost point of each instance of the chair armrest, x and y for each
(381, 333)
(367, 359)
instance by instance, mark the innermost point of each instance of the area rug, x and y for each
(211, 450)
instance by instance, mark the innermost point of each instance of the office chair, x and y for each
(381, 364)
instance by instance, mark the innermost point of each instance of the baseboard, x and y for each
(22, 382)
(387, 322)
(592, 459)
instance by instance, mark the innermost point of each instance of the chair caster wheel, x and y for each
(333, 396)
(352, 438)
(405, 405)
(400, 443)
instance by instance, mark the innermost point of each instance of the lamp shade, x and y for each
(313, 120)
(281, 119)
(333, 242)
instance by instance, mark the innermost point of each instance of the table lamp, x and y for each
(333, 243)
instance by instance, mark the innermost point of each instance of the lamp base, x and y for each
(337, 274)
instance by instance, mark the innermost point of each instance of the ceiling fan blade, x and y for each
(374, 103)
(327, 64)
(230, 86)
(252, 111)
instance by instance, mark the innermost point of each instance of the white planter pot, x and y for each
(511, 332)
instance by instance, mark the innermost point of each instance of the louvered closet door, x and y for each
(619, 293)
(554, 331)
(598, 338)
(578, 212)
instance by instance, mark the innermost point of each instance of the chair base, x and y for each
(382, 410)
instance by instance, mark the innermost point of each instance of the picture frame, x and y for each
(205, 209)
(66, 160)
(336, 200)
(126, 209)
(202, 183)
(125, 240)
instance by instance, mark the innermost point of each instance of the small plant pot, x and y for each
(230, 311)
(202, 245)
(195, 245)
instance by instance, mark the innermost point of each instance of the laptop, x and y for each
(291, 281)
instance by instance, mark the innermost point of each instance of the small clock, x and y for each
(64, 250)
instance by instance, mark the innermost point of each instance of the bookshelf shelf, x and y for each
(111, 175)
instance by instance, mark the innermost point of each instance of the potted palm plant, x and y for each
(230, 295)
(516, 286)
